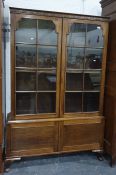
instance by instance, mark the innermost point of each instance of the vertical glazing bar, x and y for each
(36, 66)
(84, 69)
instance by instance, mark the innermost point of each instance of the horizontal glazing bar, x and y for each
(84, 47)
(26, 69)
(82, 91)
(35, 91)
(35, 44)
(81, 70)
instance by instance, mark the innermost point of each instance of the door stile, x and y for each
(63, 66)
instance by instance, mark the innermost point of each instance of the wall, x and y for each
(73, 6)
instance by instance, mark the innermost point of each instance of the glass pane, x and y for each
(46, 81)
(77, 35)
(91, 102)
(47, 57)
(25, 56)
(46, 103)
(94, 36)
(25, 81)
(74, 81)
(93, 59)
(46, 32)
(73, 102)
(25, 103)
(75, 58)
(26, 31)
(92, 81)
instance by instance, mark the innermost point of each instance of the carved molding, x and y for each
(56, 14)
(106, 2)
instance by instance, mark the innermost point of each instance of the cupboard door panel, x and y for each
(28, 139)
(77, 135)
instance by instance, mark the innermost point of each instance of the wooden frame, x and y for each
(55, 127)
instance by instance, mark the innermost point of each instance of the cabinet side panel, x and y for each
(110, 94)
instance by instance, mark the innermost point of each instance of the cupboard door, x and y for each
(32, 138)
(36, 66)
(83, 67)
(81, 134)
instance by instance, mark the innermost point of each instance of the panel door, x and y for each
(83, 67)
(31, 138)
(36, 55)
(81, 134)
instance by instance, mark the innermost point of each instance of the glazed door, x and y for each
(82, 89)
(36, 55)
(83, 67)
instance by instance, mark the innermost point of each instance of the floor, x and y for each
(74, 164)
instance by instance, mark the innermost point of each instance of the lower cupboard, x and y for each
(51, 136)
